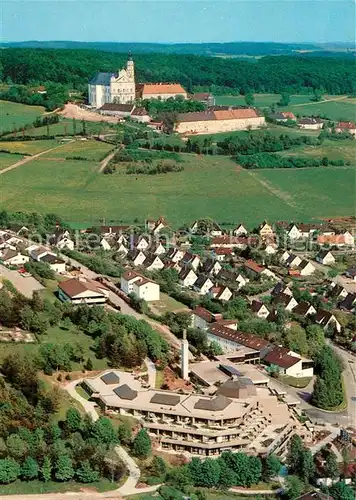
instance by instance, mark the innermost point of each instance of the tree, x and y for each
(124, 433)
(73, 421)
(317, 95)
(331, 465)
(104, 432)
(249, 99)
(294, 487)
(254, 470)
(180, 477)
(227, 476)
(210, 473)
(284, 100)
(306, 466)
(214, 349)
(64, 468)
(9, 470)
(158, 467)
(66, 324)
(46, 469)
(29, 469)
(341, 491)
(86, 474)
(271, 467)
(89, 365)
(16, 446)
(294, 453)
(142, 444)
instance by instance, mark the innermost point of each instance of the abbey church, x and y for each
(121, 88)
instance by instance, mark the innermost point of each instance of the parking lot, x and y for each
(24, 284)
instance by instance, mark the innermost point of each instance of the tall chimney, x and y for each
(184, 356)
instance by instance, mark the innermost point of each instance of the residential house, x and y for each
(293, 261)
(155, 226)
(146, 289)
(198, 227)
(107, 243)
(241, 280)
(13, 257)
(153, 263)
(284, 256)
(191, 260)
(36, 252)
(310, 123)
(202, 318)
(325, 257)
(240, 230)
(334, 240)
(269, 249)
(122, 240)
(156, 248)
(343, 127)
(351, 273)
(205, 98)
(294, 233)
(127, 280)
(222, 254)
(137, 257)
(348, 303)
(281, 288)
(306, 268)
(82, 291)
(337, 291)
(349, 239)
(113, 230)
(259, 309)
(226, 276)
(220, 293)
(304, 309)
(175, 254)
(57, 264)
(203, 284)
(122, 249)
(211, 267)
(187, 277)
(287, 301)
(265, 230)
(169, 264)
(258, 270)
(139, 114)
(289, 363)
(229, 241)
(327, 320)
(61, 239)
(139, 242)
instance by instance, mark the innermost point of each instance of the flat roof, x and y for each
(209, 372)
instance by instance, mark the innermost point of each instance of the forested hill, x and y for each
(268, 74)
(231, 48)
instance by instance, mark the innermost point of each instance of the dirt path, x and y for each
(30, 158)
(282, 195)
(106, 160)
(74, 111)
(319, 102)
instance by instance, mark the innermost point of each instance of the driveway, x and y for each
(25, 285)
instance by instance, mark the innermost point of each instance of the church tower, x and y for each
(130, 68)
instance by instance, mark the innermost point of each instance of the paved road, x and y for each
(25, 285)
(30, 158)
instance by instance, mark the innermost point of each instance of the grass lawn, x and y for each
(168, 304)
(28, 147)
(15, 115)
(299, 382)
(39, 487)
(209, 186)
(7, 159)
(83, 393)
(159, 379)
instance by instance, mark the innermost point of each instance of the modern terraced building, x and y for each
(239, 416)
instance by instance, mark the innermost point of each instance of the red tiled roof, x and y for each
(332, 239)
(247, 340)
(162, 88)
(288, 114)
(279, 356)
(73, 287)
(346, 125)
(251, 264)
(223, 251)
(233, 114)
(204, 314)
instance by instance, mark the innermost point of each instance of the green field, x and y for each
(39, 487)
(90, 150)
(7, 159)
(28, 147)
(336, 108)
(17, 115)
(334, 150)
(208, 187)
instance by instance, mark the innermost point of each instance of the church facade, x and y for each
(121, 88)
(113, 88)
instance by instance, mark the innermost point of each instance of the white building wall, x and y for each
(148, 291)
(215, 126)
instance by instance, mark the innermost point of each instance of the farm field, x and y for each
(334, 107)
(90, 150)
(68, 127)
(7, 159)
(208, 187)
(13, 114)
(28, 147)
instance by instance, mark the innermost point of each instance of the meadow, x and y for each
(7, 159)
(207, 187)
(90, 150)
(15, 115)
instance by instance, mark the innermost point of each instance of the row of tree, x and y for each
(273, 160)
(268, 74)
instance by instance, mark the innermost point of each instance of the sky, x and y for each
(179, 21)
